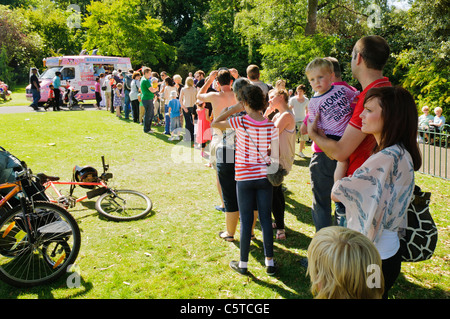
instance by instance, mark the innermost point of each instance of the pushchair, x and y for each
(70, 99)
(5, 94)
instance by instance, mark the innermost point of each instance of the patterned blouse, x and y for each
(377, 195)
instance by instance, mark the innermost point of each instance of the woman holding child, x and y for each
(377, 195)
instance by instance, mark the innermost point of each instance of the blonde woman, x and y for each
(188, 97)
(344, 264)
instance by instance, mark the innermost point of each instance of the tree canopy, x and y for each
(281, 36)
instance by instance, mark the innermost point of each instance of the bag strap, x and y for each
(242, 122)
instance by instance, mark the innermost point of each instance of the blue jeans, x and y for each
(148, 116)
(339, 214)
(166, 119)
(127, 104)
(189, 124)
(259, 190)
(36, 97)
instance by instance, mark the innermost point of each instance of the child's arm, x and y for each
(341, 170)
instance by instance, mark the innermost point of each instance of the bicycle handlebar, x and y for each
(19, 175)
(105, 166)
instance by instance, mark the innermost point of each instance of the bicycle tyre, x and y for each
(138, 205)
(25, 264)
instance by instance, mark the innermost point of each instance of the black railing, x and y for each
(435, 148)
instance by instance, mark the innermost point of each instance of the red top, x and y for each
(249, 164)
(364, 150)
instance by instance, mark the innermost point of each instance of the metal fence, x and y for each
(435, 148)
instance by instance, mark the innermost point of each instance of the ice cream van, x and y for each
(80, 71)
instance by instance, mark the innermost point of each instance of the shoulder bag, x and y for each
(421, 234)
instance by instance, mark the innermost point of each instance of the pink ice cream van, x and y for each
(80, 71)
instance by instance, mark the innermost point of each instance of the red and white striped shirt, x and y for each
(249, 164)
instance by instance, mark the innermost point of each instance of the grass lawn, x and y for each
(18, 97)
(175, 252)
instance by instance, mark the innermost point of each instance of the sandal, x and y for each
(225, 236)
(281, 234)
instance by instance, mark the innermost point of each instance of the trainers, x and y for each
(171, 138)
(271, 270)
(235, 266)
(301, 155)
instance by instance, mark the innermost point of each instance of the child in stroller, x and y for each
(69, 97)
(4, 92)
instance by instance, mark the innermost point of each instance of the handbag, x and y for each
(421, 233)
(276, 179)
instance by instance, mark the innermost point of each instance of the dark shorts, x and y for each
(225, 173)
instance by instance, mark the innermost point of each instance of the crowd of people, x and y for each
(365, 153)
(364, 147)
(364, 156)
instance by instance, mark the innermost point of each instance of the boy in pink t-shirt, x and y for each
(332, 105)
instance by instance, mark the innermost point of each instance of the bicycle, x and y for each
(39, 240)
(114, 204)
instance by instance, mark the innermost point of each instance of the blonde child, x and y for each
(344, 264)
(174, 108)
(118, 99)
(332, 108)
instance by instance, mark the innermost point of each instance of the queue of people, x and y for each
(364, 147)
(357, 138)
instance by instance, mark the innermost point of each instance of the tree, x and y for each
(177, 15)
(225, 47)
(115, 28)
(311, 25)
(422, 58)
(52, 23)
(22, 46)
(6, 72)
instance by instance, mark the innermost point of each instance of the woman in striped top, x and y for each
(256, 136)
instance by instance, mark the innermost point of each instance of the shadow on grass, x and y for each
(289, 271)
(79, 288)
(299, 210)
(404, 289)
(91, 206)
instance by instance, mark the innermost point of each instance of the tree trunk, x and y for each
(312, 17)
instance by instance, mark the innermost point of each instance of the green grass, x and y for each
(18, 97)
(175, 252)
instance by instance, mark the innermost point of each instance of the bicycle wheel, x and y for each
(26, 262)
(121, 205)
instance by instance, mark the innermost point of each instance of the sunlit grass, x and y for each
(175, 252)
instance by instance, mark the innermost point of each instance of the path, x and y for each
(28, 109)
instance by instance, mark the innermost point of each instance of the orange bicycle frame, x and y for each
(17, 187)
(52, 184)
